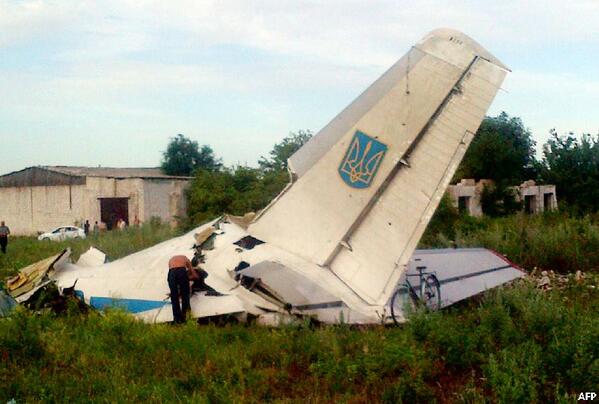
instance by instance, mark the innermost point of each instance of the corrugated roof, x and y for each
(39, 176)
(111, 172)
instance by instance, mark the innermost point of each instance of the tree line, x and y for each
(502, 150)
(217, 189)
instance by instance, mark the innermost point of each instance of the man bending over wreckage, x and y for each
(180, 273)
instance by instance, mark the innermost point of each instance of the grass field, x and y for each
(515, 344)
(23, 251)
(552, 241)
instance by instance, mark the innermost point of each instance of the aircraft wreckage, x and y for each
(338, 244)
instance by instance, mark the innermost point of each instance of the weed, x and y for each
(550, 241)
(116, 244)
(515, 344)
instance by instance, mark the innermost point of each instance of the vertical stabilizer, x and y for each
(368, 183)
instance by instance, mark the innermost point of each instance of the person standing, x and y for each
(4, 232)
(180, 273)
(86, 228)
(96, 229)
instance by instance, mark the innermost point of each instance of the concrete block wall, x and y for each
(30, 210)
(469, 189)
(164, 199)
(540, 197)
(543, 197)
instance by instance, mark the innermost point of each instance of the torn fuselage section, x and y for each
(245, 280)
(35, 276)
(34, 286)
(7, 303)
(286, 288)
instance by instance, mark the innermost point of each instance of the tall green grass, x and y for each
(551, 241)
(515, 345)
(23, 251)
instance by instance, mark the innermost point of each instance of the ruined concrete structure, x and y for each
(537, 198)
(38, 199)
(466, 195)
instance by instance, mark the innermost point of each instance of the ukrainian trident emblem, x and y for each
(362, 160)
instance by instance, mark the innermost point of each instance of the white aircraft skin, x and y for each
(339, 238)
(140, 279)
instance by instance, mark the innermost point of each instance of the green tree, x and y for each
(572, 164)
(502, 150)
(211, 194)
(242, 189)
(281, 152)
(235, 190)
(499, 200)
(183, 156)
(443, 222)
(274, 176)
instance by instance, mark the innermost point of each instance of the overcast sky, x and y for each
(108, 82)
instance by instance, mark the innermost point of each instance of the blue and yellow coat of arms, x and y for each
(362, 160)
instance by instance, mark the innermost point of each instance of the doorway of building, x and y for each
(548, 201)
(113, 209)
(464, 205)
(530, 204)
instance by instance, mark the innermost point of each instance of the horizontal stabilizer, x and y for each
(462, 272)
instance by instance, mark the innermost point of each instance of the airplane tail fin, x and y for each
(366, 186)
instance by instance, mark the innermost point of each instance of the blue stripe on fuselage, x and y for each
(131, 305)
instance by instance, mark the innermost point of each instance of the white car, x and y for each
(63, 233)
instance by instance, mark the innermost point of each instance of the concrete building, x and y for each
(537, 198)
(37, 199)
(466, 195)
